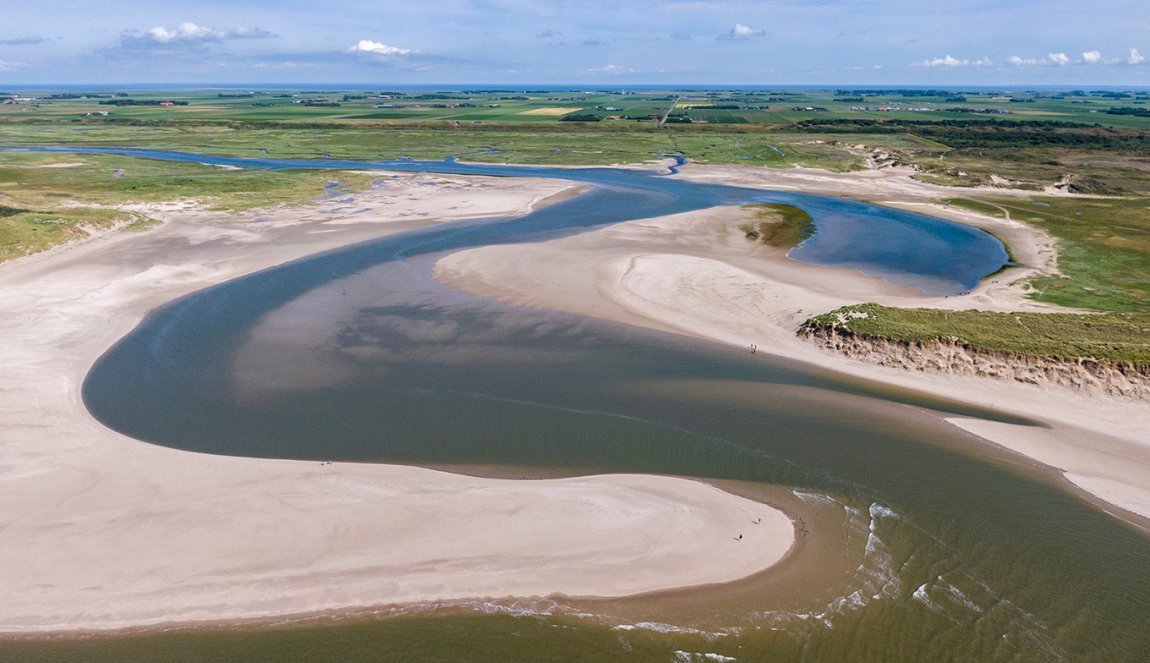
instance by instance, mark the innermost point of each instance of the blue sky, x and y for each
(720, 42)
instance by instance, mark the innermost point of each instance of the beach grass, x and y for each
(31, 231)
(1065, 336)
(49, 199)
(1103, 248)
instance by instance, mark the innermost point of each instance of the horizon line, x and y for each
(575, 86)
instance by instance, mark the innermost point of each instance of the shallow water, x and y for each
(960, 556)
(935, 256)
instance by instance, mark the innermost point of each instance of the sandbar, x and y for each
(696, 274)
(102, 532)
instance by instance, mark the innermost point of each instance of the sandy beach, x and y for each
(105, 532)
(696, 274)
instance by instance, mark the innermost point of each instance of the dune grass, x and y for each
(1113, 337)
(1103, 248)
(1104, 256)
(42, 204)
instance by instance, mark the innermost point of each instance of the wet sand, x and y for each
(696, 274)
(105, 532)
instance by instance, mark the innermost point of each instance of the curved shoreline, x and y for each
(694, 274)
(105, 532)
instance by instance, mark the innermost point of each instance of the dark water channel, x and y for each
(358, 354)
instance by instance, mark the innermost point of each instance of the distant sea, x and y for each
(541, 87)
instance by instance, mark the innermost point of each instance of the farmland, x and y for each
(1081, 141)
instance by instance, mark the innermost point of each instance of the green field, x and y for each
(769, 127)
(732, 106)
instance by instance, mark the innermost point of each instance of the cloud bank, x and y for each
(190, 33)
(186, 36)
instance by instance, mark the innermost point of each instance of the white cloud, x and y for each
(948, 61)
(8, 65)
(740, 32)
(378, 48)
(190, 33)
(184, 32)
(1135, 57)
(1062, 59)
(613, 69)
(943, 62)
(1057, 60)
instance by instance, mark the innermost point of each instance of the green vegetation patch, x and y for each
(31, 232)
(50, 199)
(778, 224)
(28, 181)
(1066, 336)
(1103, 248)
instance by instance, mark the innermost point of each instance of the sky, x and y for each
(591, 42)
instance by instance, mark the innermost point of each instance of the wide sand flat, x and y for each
(695, 273)
(101, 531)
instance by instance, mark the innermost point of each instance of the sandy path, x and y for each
(101, 531)
(694, 273)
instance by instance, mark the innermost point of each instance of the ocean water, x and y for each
(946, 552)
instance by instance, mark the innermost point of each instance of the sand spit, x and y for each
(696, 274)
(104, 532)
